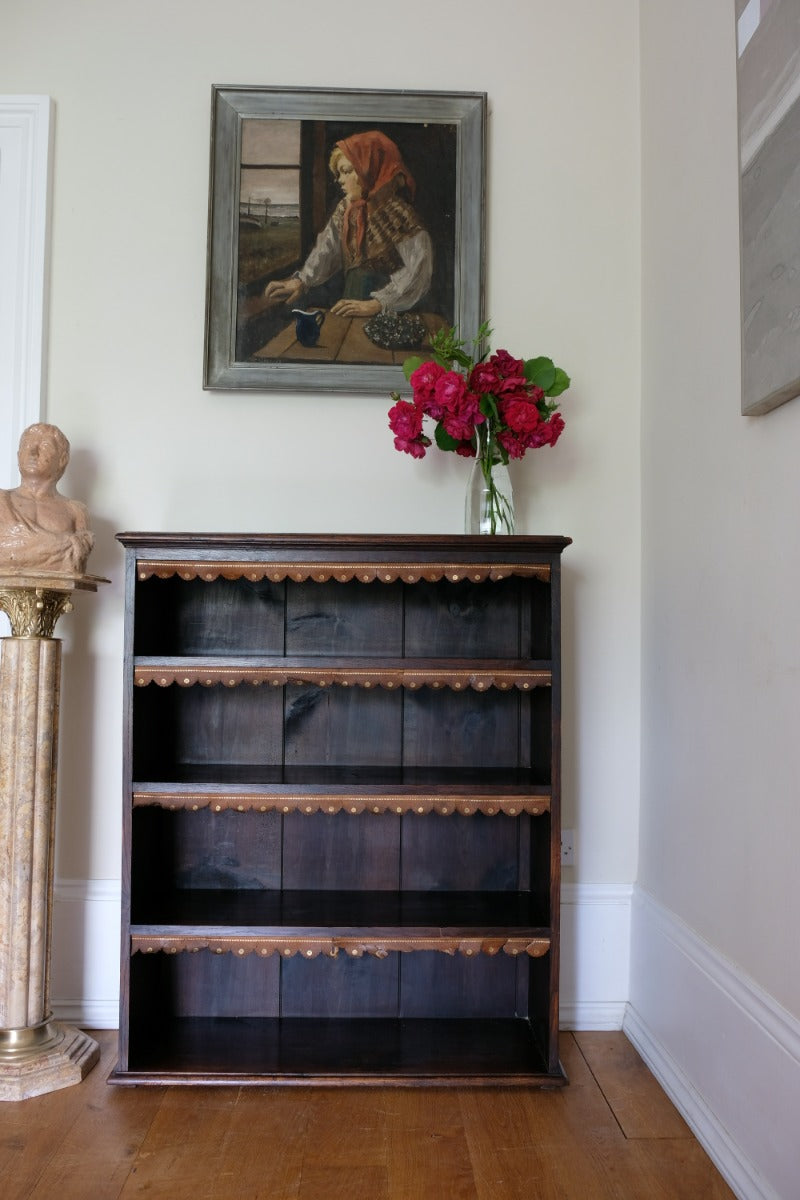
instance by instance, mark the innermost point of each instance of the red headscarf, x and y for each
(377, 162)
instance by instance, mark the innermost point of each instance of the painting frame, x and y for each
(460, 117)
(768, 95)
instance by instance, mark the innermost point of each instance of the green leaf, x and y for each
(540, 372)
(480, 345)
(562, 382)
(488, 406)
(443, 439)
(410, 365)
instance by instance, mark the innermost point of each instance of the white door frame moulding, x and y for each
(723, 1050)
(26, 145)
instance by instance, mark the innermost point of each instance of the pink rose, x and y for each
(449, 390)
(423, 380)
(547, 433)
(460, 428)
(554, 428)
(405, 419)
(514, 387)
(461, 406)
(514, 445)
(519, 413)
(484, 377)
(416, 447)
(405, 422)
(506, 366)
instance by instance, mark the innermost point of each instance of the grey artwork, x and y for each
(769, 129)
(771, 269)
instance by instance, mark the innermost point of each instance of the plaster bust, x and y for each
(41, 530)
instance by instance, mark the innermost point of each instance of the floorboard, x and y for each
(638, 1103)
(611, 1134)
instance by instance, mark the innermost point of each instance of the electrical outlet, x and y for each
(568, 847)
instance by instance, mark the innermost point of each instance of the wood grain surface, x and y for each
(611, 1135)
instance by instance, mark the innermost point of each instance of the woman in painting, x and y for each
(374, 236)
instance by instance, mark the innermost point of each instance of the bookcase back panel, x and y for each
(455, 853)
(344, 986)
(250, 851)
(424, 984)
(470, 729)
(508, 618)
(343, 726)
(341, 853)
(194, 617)
(344, 618)
(175, 725)
(312, 726)
(467, 620)
(206, 849)
(438, 985)
(203, 985)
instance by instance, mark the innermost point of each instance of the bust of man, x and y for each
(41, 530)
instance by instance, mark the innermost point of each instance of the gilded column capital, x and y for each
(33, 612)
(33, 603)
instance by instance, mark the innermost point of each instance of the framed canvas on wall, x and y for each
(344, 227)
(769, 147)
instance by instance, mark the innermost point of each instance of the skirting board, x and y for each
(595, 954)
(725, 1053)
(595, 923)
(84, 956)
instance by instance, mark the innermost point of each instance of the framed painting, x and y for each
(344, 228)
(769, 154)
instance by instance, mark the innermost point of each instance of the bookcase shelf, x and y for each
(341, 810)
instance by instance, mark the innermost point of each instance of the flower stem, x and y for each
(499, 510)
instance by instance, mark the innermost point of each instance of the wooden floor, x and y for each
(611, 1133)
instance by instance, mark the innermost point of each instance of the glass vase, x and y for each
(490, 500)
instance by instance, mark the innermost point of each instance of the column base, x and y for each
(43, 1059)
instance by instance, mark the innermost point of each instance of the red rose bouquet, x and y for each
(490, 407)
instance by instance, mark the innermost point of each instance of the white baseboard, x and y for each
(595, 954)
(595, 922)
(84, 967)
(722, 1049)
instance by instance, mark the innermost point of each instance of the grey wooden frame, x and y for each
(768, 80)
(232, 105)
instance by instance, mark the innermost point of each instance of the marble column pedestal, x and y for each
(37, 1054)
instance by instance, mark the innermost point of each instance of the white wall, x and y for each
(151, 450)
(721, 692)
(715, 932)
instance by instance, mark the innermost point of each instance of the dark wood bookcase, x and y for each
(341, 858)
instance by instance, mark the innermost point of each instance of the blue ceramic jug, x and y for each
(307, 325)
